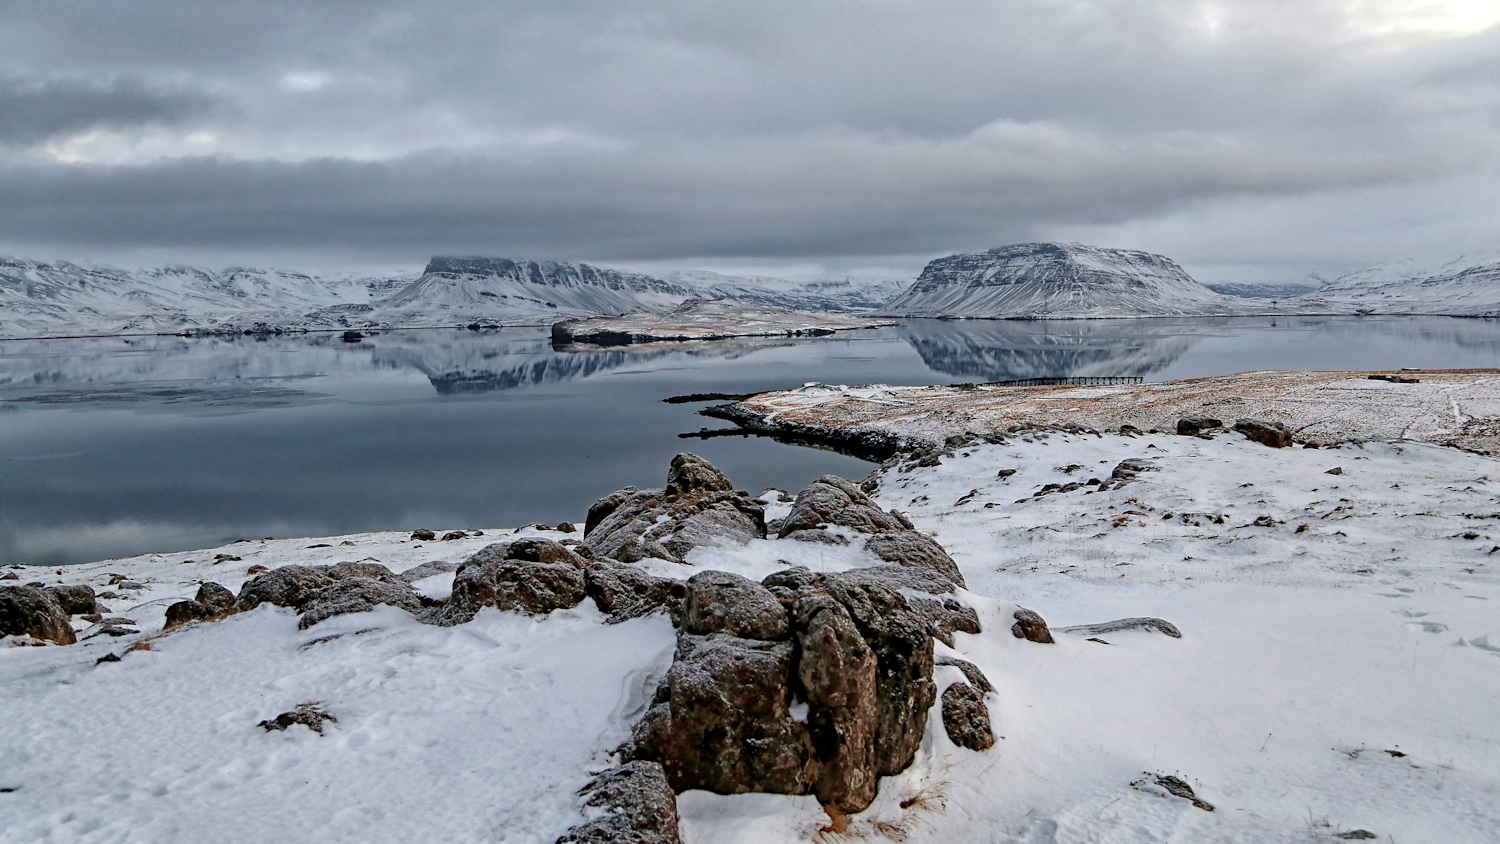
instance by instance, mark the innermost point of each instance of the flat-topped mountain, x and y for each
(1058, 280)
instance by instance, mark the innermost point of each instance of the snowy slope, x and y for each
(1058, 280)
(1466, 286)
(843, 294)
(39, 298)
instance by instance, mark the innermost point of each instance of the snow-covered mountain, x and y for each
(1058, 280)
(1466, 286)
(845, 294)
(40, 298)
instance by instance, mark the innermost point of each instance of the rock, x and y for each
(225, 558)
(1128, 471)
(288, 586)
(816, 535)
(604, 506)
(1157, 624)
(423, 535)
(721, 720)
(966, 718)
(1273, 434)
(358, 594)
(183, 612)
(369, 571)
(1357, 834)
(1192, 426)
(837, 672)
(74, 600)
(107, 658)
(639, 808)
(566, 527)
(427, 569)
(903, 651)
(817, 504)
(720, 602)
(1031, 627)
(623, 592)
(454, 534)
(530, 575)
(29, 611)
(690, 474)
(215, 597)
(909, 548)
(971, 672)
(256, 569)
(1337, 470)
(1178, 787)
(309, 715)
(648, 523)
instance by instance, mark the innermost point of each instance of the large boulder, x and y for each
(910, 548)
(623, 592)
(1030, 626)
(721, 721)
(637, 804)
(690, 474)
(183, 612)
(74, 600)
(532, 575)
(288, 586)
(698, 507)
(899, 638)
(721, 602)
(35, 612)
(1273, 434)
(215, 597)
(837, 672)
(358, 594)
(1192, 426)
(831, 500)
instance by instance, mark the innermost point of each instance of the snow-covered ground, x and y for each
(1339, 670)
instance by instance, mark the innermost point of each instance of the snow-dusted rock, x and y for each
(1059, 281)
(35, 612)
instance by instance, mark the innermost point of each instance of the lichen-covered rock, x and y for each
(358, 594)
(532, 575)
(1272, 434)
(623, 592)
(1031, 627)
(217, 599)
(606, 505)
(910, 548)
(288, 586)
(698, 507)
(35, 612)
(837, 672)
(74, 600)
(690, 474)
(639, 808)
(818, 535)
(965, 717)
(368, 571)
(721, 602)
(721, 720)
(899, 638)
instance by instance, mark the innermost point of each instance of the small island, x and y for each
(706, 319)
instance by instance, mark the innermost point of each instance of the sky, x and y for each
(1250, 140)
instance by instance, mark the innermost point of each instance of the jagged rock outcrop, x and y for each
(1058, 280)
(531, 575)
(639, 808)
(698, 507)
(358, 594)
(35, 612)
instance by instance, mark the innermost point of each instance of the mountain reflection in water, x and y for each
(118, 446)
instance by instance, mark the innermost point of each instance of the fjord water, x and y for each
(119, 446)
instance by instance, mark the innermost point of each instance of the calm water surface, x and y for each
(120, 446)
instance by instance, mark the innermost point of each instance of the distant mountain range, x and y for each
(1023, 281)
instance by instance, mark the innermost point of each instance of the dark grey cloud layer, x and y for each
(813, 129)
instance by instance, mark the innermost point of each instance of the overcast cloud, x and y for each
(1247, 138)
